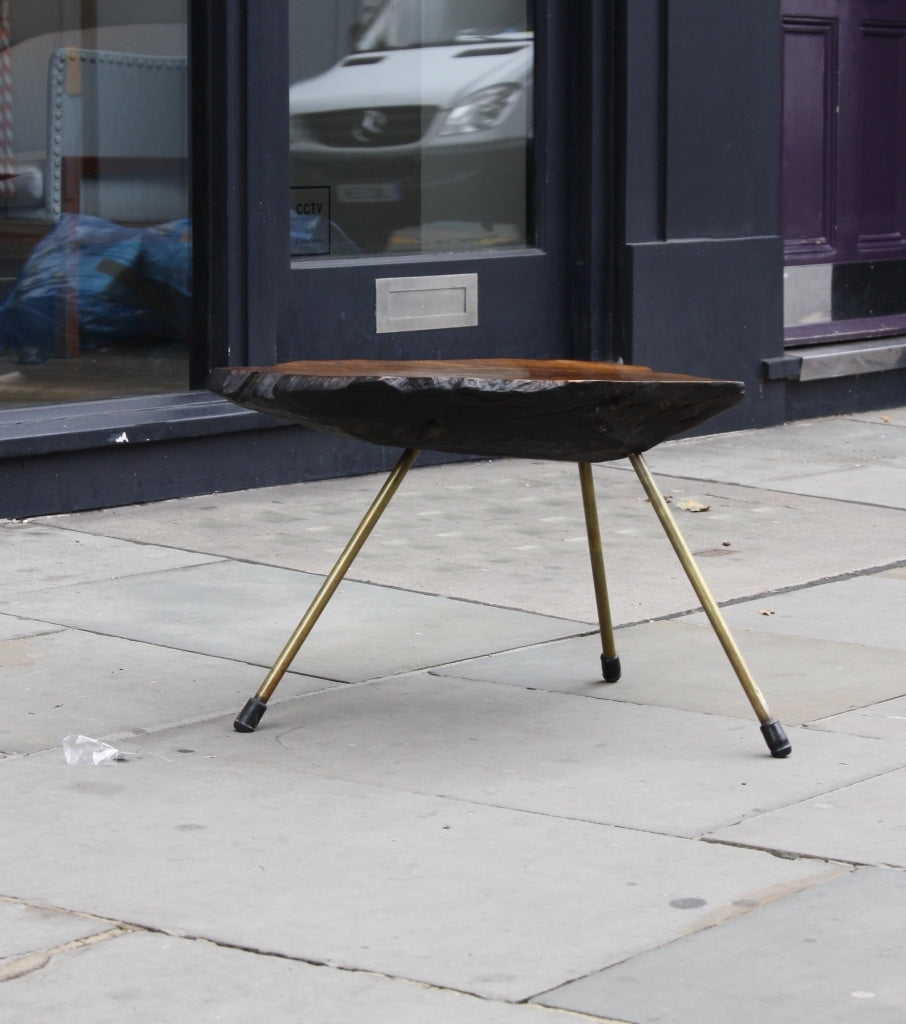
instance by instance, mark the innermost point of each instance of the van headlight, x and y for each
(481, 110)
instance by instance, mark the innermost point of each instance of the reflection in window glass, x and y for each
(95, 236)
(831, 293)
(410, 131)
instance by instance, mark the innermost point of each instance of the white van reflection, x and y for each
(425, 125)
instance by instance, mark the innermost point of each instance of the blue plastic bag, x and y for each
(125, 284)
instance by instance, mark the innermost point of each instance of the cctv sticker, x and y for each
(309, 230)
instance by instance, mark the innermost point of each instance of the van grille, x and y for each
(366, 126)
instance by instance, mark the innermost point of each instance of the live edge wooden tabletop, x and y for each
(522, 408)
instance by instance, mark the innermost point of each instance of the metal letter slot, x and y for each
(426, 303)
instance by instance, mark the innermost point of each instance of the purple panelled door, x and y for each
(844, 130)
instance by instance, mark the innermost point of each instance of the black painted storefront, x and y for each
(658, 126)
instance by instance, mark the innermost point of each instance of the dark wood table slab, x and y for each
(521, 408)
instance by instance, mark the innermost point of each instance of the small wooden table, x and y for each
(565, 410)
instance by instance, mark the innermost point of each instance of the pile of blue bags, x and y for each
(125, 284)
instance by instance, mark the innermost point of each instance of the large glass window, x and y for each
(410, 126)
(95, 235)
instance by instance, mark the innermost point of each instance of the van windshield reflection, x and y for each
(420, 139)
(411, 24)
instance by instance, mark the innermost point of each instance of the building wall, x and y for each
(685, 233)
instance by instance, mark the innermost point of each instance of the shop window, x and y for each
(410, 126)
(95, 228)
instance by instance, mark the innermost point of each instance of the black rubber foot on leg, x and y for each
(776, 739)
(610, 668)
(250, 715)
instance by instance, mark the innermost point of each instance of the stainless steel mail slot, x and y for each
(426, 303)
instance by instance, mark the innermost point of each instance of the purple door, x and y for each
(844, 130)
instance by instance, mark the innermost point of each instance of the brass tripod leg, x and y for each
(773, 731)
(610, 661)
(250, 716)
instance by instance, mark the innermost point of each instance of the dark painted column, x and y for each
(701, 270)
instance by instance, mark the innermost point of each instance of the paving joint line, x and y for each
(24, 964)
(799, 855)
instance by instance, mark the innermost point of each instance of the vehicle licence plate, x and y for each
(384, 192)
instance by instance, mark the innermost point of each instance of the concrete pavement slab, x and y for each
(667, 771)
(797, 458)
(863, 823)
(40, 558)
(158, 978)
(12, 627)
(25, 929)
(676, 664)
(511, 533)
(881, 485)
(867, 611)
(832, 954)
(104, 687)
(247, 612)
(884, 721)
(501, 903)
(833, 442)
